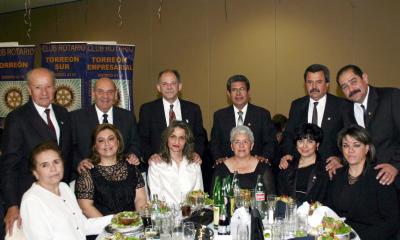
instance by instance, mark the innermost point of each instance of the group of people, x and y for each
(344, 153)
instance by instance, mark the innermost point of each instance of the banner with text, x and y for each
(116, 63)
(78, 65)
(68, 61)
(15, 62)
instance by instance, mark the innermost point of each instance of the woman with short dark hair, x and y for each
(305, 179)
(49, 209)
(369, 207)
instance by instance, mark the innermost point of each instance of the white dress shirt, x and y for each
(100, 114)
(176, 108)
(320, 109)
(244, 111)
(47, 216)
(171, 182)
(43, 115)
(359, 112)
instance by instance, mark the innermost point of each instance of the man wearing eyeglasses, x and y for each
(84, 121)
(241, 112)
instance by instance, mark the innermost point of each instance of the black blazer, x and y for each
(84, 121)
(317, 182)
(369, 207)
(24, 129)
(332, 123)
(257, 119)
(152, 123)
(383, 123)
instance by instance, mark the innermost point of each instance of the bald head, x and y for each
(104, 93)
(41, 86)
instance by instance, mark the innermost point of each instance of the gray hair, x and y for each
(28, 75)
(242, 130)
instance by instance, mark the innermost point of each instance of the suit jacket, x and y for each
(383, 123)
(24, 129)
(257, 119)
(84, 121)
(317, 181)
(152, 123)
(369, 207)
(332, 123)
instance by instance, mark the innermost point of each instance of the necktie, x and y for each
(314, 119)
(49, 122)
(365, 117)
(171, 114)
(105, 120)
(240, 119)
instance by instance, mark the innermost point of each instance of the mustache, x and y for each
(352, 93)
(314, 90)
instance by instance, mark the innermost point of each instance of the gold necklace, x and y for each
(352, 179)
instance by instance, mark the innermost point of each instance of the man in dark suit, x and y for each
(84, 121)
(241, 112)
(33, 123)
(377, 110)
(318, 107)
(155, 116)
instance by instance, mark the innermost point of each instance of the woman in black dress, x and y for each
(112, 185)
(369, 207)
(247, 166)
(306, 178)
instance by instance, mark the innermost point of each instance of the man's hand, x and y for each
(263, 159)
(197, 158)
(84, 165)
(132, 159)
(284, 161)
(219, 161)
(387, 173)
(11, 216)
(332, 163)
(155, 159)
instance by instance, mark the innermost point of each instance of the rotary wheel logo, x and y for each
(64, 96)
(13, 98)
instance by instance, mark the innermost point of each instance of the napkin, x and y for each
(257, 227)
(303, 209)
(241, 216)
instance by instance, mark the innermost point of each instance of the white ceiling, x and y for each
(15, 5)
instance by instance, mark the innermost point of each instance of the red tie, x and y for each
(171, 114)
(49, 122)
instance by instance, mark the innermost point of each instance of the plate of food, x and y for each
(336, 227)
(124, 222)
(120, 236)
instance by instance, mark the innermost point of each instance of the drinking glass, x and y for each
(151, 233)
(242, 232)
(189, 231)
(271, 199)
(278, 229)
(290, 219)
(177, 232)
(145, 214)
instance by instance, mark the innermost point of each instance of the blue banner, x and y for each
(68, 61)
(15, 62)
(116, 63)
